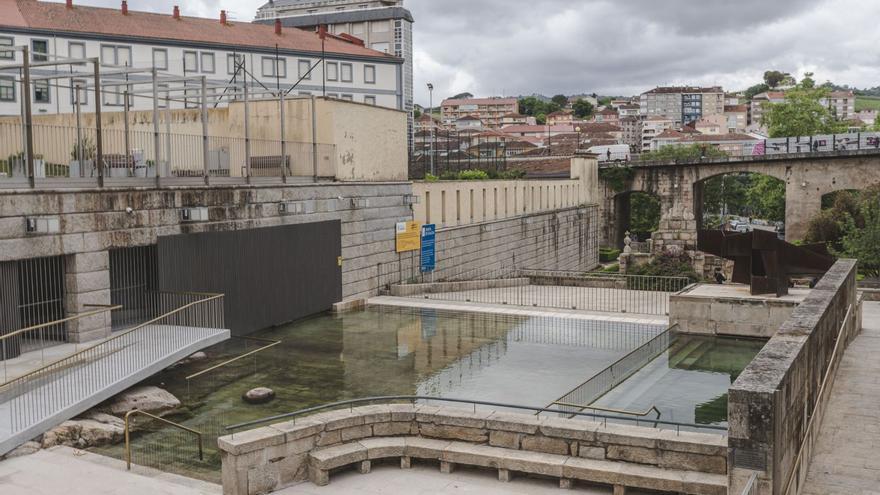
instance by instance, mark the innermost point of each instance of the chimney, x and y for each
(322, 31)
(69, 4)
(124, 7)
(223, 17)
(177, 12)
(278, 27)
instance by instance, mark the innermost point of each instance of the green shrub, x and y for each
(607, 255)
(473, 175)
(664, 265)
(613, 268)
(431, 178)
(449, 175)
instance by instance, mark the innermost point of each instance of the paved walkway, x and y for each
(479, 307)
(63, 470)
(846, 458)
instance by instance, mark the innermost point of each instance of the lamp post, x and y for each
(577, 145)
(431, 122)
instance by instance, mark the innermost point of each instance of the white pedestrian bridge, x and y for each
(38, 400)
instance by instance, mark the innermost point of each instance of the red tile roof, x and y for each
(480, 101)
(56, 17)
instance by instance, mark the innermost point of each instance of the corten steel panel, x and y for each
(270, 275)
(10, 319)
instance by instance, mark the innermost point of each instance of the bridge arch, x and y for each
(734, 193)
(637, 212)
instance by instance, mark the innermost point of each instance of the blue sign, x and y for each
(428, 252)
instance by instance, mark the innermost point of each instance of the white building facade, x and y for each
(226, 54)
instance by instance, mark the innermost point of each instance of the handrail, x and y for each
(271, 343)
(819, 396)
(79, 316)
(115, 337)
(751, 487)
(163, 420)
(475, 403)
(610, 367)
(612, 410)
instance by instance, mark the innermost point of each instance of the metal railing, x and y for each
(128, 416)
(55, 387)
(751, 487)
(46, 335)
(798, 471)
(414, 398)
(613, 293)
(267, 344)
(588, 392)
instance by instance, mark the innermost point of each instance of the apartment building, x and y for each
(383, 25)
(653, 127)
(842, 104)
(491, 111)
(227, 54)
(759, 104)
(737, 117)
(682, 104)
(632, 132)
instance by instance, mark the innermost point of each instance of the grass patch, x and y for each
(867, 103)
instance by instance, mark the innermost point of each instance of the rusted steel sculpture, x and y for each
(763, 261)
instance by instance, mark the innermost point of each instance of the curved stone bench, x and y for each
(566, 468)
(267, 459)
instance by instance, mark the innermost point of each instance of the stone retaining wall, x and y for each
(732, 316)
(407, 290)
(770, 403)
(269, 458)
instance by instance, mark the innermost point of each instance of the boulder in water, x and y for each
(259, 395)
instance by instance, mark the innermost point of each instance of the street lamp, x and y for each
(577, 145)
(431, 122)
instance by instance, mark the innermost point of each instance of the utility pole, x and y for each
(431, 120)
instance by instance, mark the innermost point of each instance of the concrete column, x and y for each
(87, 281)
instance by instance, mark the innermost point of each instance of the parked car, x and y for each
(743, 227)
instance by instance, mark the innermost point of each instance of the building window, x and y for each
(333, 95)
(370, 100)
(114, 96)
(7, 88)
(346, 72)
(79, 92)
(370, 74)
(160, 59)
(116, 55)
(7, 54)
(190, 62)
(41, 92)
(347, 97)
(76, 50)
(233, 62)
(39, 50)
(332, 71)
(163, 95)
(208, 62)
(303, 68)
(273, 67)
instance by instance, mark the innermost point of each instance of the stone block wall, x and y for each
(96, 220)
(741, 317)
(771, 402)
(267, 459)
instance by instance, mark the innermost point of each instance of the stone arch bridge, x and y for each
(679, 187)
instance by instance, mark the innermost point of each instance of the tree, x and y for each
(766, 198)
(535, 107)
(541, 119)
(802, 113)
(690, 152)
(773, 78)
(644, 213)
(864, 243)
(756, 90)
(417, 113)
(560, 100)
(462, 96)
(605, 101)
(583, 109)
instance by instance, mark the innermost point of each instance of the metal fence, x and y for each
(585, 394)
(175, 136)
(508, 285)
(33, 397)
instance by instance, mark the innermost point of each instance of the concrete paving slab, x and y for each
(845, 455)
(74, 472)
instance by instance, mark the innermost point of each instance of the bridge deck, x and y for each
(845, 457)
(45, 402)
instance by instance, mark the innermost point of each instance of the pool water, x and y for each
(382, 351)
(688, 383)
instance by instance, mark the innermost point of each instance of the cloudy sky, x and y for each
(618, 47)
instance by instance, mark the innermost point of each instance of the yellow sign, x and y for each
(408, 238)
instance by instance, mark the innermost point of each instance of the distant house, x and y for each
(517, 119)
(559, 118)
(468, 122)
(737, 117)
(608, 116)
(712, 125)
(759, 104)
(489, 110)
